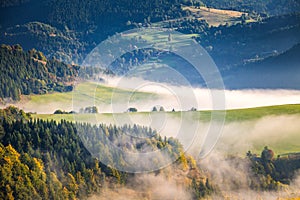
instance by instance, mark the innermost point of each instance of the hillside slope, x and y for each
(27, 72)
(83, 24)
(278, 71)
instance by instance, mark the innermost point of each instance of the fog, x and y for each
(232, 178)
(184, 98)
(280, 133)
(179, 98)
(229, 174)
(145, 186)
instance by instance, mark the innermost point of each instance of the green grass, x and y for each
(159, 38)
(85, 94)
(235, 115)
(255, 113)
(280, 142)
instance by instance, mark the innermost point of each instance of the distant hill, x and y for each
(27, 72)
(69, 30)
(267, 7)
(232, 46)
(278, 71)
(54, 42)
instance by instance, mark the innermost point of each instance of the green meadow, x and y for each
(244, 129)
(85, 94)
(234, 115)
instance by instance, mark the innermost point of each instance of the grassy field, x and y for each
(244, 129)
(255, 113)
(216, 17)
(236, 115)
(85, 94)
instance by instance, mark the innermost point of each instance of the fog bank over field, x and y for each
(184, 98)
(116, 95)
(229, 174)
(280, 133)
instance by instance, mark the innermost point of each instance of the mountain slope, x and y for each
(235, 45)
(27, 72)
(83, 23)
(50, 160)
(278, 71)
(69, 30)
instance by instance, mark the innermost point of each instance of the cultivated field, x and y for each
(216, 17)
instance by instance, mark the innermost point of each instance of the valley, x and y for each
(148, 100)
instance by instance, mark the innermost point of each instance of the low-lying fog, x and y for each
(281, 133)
(184, 98)
(179, 98)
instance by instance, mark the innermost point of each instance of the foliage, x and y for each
(232, 46)
(89, 109)
(51, 162)
(60, 112)
(132, 110)
(69, 30)
(54, 43)
(201, 188)
(31, 73)
(188, 25)
(270, 173)
(22, 177)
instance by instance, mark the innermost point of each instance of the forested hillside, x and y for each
(232, 48)
(65, 29)
(30, 72)
(53, 42)
(273, 172)
(47, 160)
(241, 43)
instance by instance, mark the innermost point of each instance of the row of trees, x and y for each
(89, 109)
(94, 110)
